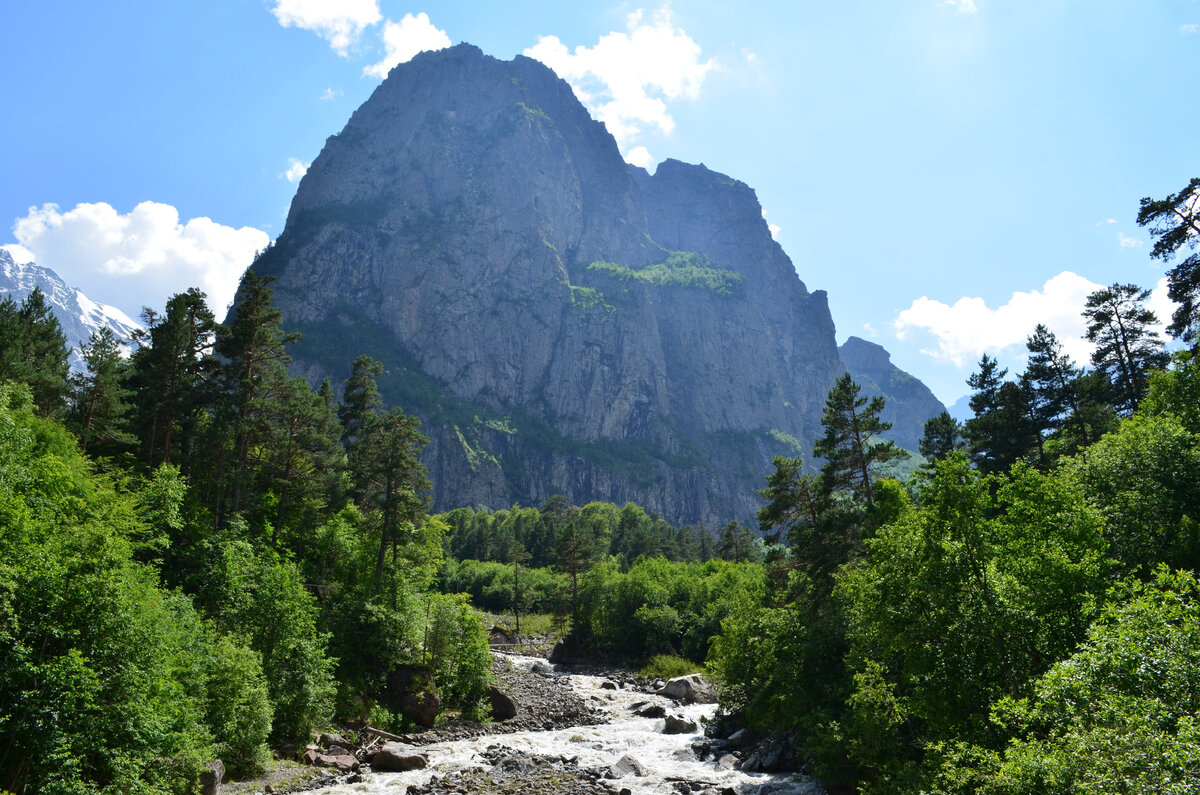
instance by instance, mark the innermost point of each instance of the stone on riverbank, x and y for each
(690, 689)
(398, 757)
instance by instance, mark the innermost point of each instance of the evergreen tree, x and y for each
(391, 479)
(1064, 399)
(33, 351)
(574, 552)
(255, 379)
(173, 379)
(1175, 226)
(1127, 346)
(851, 446)
(100, 410)
(1001, 432)
(942, 436)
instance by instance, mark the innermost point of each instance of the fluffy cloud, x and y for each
(140, 258)
(340, 22)
(20, 254)
(1190, 29)
(627, 78)
(639, 156)
(1126, 241)
(404, 39)
(965, 6)
(296, 169)
(969, 327)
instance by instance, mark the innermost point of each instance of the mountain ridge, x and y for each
(78, 315)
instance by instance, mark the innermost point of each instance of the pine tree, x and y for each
(1175, 226)
(851, 446)
(1127, 346)
(254, 377)
(1059, 393)
(391, 479)
(174, 372)
(33, 351)
(942, 436)
(1001, 432)
(100, 404)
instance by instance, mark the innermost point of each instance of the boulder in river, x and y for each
(503, 707)
(679, 725)
(690, 689)
(398, 757)
(651, 711)
(626, 766)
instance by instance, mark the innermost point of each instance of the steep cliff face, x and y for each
(560, 321)
(909, 403)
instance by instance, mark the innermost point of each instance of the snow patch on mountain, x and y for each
(78, 314)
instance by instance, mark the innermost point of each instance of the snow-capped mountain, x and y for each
(78, 314)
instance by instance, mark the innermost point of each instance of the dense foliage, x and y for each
(964, 634)
(199, 555)
(211, 560)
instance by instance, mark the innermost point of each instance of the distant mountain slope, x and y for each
(909, 402)
(78, 314)
(561, 322)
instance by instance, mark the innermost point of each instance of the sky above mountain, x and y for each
(951, 171)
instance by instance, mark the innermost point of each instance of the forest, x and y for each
(201, 556)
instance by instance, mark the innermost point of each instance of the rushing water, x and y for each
(667, 757)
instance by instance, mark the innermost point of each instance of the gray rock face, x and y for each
(909, 402)
(562, 323)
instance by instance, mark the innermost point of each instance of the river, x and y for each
(668, 759)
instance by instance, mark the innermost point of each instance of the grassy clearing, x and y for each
(668, 666)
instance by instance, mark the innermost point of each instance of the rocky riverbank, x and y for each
(601, 733)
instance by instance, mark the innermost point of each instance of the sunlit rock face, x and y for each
(561, 322)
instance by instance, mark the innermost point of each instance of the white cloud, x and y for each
(296, 169)
(330, 95)
(772, 228)
(627, 78)
(340, 22)
(639, 156)
(1128, 242)
(140, 258)
(404, 39)
(965, 6)
(969, 327)
(1106, 222)
(1190, 29)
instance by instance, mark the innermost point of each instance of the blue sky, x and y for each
(950, 172)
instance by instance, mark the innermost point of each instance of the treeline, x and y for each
(200, 554)
(1025, 616)
(587, 566)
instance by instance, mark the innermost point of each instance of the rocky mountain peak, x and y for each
(560, 321)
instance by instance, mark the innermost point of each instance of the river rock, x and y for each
(338, 761)
(679, 725)
(626, 766)
(651, 711)
(690, 689)
(329, 739)
(739, 739)
(397, 757)
(503, 707)
(210, 779)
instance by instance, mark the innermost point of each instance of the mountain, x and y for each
(561, 322)
(961, 409)
(908, 402)
(78, 315)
